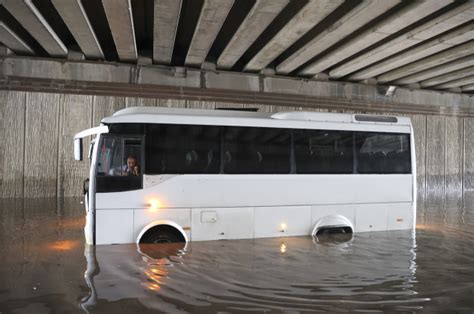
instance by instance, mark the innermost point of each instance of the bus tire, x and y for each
(333, 230)
(162, 234)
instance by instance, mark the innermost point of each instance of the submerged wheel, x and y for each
(334, 230)
(162, 234)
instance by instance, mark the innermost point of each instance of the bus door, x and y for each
(120, 163)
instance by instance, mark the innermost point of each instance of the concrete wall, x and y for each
(36, 153)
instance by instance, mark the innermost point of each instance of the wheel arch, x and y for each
(332, 221)
(162, 223)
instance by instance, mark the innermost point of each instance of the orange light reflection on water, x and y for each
(65, 245)
(154, 287)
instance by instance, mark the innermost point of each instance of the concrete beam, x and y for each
(354, 19)
(5, 51)
(120, 18)
(42, 75)
(231, 81)
(408, 15)
(451, 39)
(429, 62)
(73, 14)
(66, 70)
(308, 88)
(31, 19)
(208, 66)
(468, 88)
(455, 90)
(166, 19)
(456, 83)
(448, 77)
(413, 86)
(431, 28)
(75, 55)
(169, 76)
(321, 77)
(436, 71)
(261, 15)
(213, 15)
(308, 17)
(10, 39)
(370, 81)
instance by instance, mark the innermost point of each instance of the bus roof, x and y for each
(298, 119)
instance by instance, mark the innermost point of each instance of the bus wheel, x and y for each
(334, 230)
(162, 234)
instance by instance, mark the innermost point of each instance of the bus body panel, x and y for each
(282, 221)
(114, 226)
(200, 205)
(222, 223)
(194, 191)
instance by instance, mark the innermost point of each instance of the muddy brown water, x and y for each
(46, 268)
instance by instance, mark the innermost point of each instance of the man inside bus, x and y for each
(131, 168)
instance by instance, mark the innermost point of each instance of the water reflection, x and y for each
(46, 268)
(371, 271)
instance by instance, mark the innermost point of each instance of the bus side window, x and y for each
(250, 150)
(383, 153)
(179, 149)
(323, 151)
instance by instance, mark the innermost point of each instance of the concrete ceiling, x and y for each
(420, 44)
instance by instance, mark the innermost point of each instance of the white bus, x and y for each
(172, 175)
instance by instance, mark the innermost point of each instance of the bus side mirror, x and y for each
(78, 148)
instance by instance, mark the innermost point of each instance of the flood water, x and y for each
(46, 268)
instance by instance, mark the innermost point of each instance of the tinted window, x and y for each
(119, 164)
(319, 151)
(176, 149)
(127, 128)
(256, 150)
(110, 156)
(383, 153)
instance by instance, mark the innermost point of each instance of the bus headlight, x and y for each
(154, 204)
